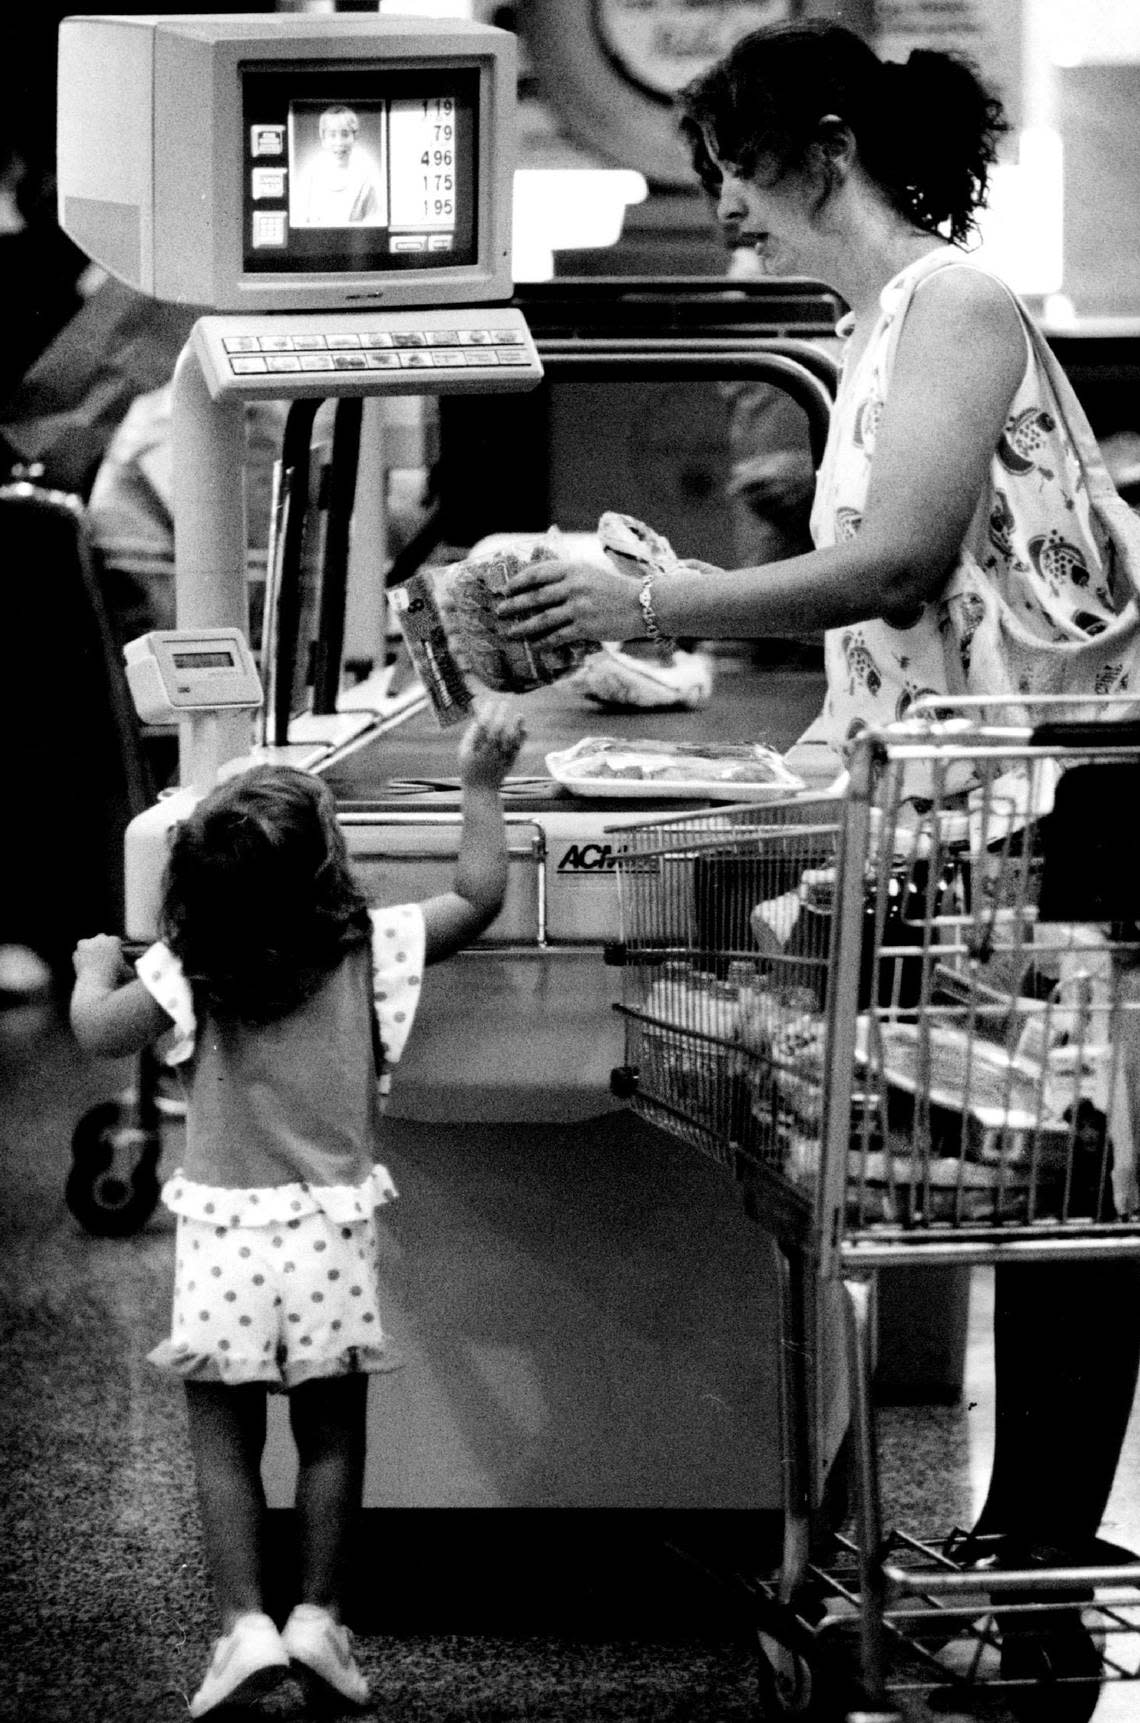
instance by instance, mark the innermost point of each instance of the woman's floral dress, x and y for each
(1037, 573)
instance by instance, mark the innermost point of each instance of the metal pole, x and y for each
(210, 585)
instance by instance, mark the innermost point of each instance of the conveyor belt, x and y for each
(749, 704)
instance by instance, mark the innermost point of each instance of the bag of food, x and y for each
(466, 592)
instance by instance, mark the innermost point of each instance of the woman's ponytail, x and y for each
(926, 129)
(937, 141)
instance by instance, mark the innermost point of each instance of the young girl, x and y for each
(270, 983)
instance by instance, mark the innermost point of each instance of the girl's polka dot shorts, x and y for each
(275, 1304)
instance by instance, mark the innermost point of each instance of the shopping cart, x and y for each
(908, 1022)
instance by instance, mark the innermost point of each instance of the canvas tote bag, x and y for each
(989, 650)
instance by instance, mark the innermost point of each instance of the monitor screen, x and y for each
(368, 169)
(291, 161)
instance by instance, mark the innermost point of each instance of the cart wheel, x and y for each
(112, 1188)
(785, 1678)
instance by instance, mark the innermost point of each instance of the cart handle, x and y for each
(1073, 733)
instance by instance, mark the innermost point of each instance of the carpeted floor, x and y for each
(482, 1615)
(462, 1617)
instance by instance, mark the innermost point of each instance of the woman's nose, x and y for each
(731, 205)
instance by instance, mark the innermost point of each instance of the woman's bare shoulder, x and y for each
(964, 319)
(965, 290)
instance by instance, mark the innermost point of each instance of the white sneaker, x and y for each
(612, 677)
(324, 1646)
(248, 1660)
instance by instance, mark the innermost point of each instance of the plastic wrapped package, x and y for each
(492, 657)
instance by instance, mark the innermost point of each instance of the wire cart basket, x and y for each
(907, 1021)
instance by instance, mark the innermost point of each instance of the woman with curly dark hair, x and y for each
(949, 473)
(956, 469)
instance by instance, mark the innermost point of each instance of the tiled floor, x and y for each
(104, 1593)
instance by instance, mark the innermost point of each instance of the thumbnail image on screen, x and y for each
(337, 169)
(368, 169)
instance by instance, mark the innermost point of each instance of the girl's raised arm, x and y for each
(489, 748)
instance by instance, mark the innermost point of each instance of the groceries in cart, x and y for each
(973, 1124)
(890, 984)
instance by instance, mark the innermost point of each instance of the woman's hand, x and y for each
(490, 746)
(561, 603)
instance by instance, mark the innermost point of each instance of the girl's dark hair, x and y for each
(926, 129)
(259, 903)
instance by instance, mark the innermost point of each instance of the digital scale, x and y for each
(185, 673)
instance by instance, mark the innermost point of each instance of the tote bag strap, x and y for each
(1100, 485)
(1115, 518)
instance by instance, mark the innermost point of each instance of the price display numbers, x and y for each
(422, 143)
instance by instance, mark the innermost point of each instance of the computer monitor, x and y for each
(291, 162)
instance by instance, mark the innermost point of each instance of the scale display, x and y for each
(177, 672)
(372, 168)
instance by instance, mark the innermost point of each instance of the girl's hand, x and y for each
(560, 603)
(490, 746)
(100, 960)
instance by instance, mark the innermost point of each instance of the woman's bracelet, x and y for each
(652, 627)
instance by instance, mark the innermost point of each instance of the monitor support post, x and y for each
(209, 546)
